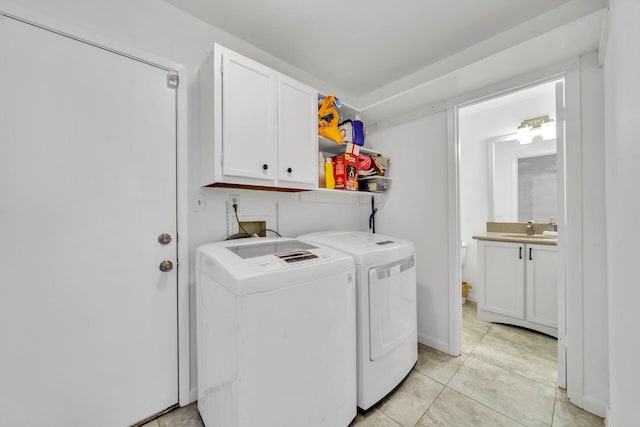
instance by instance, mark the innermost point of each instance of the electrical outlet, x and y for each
(234, 199)
(199, 203)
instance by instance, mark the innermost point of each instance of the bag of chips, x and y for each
(328, 119)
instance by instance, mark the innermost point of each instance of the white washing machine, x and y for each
(386, 308)
(276, 329)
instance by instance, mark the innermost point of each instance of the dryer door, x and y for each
(392, 306)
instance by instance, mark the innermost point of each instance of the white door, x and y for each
(87, 183)
(297, 134)
(249, 128)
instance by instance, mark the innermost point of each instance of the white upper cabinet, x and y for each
(249, 127)
(259, 127)
(297, 132)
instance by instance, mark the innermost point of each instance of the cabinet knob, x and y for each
(265, 166)
(289, 170)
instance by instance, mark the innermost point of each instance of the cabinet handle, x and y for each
(530, 259)
(289, 170)
(520, 254)
(265, 166)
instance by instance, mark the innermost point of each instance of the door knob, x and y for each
(164, 239)
(166, 266)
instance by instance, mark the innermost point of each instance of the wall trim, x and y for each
(455, 268)
(608, 417)
(572, 237)
(594, 405)
(434, 343)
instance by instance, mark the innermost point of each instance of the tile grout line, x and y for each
(553, 411)
(500, 367)
(515, 373)
(431, 404)
(486, 406)
(506, 368)
(469, 397)
(387, 416)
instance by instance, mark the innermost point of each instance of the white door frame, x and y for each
(13, 11)
(570, 265)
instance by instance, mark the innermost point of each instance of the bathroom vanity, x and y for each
(518, 280)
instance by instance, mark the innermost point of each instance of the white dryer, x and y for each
(275, 334)
(386, 308)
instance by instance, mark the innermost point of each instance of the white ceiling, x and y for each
(545, 90)
(374, 50)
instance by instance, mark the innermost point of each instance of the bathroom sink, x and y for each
(524, 235)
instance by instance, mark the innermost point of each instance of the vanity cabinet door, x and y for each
(542, 284)
(502, 277)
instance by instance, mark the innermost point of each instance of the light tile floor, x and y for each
(506, 376)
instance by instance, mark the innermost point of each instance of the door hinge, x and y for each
(172, 80)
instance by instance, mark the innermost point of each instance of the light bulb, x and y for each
(524, 135)
(548, 130)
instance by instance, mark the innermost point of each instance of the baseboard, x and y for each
(434, 343)
(595, 406)
(608, 417)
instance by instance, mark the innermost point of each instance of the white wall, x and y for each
(416, 208)
(622, 152)
(477, 124)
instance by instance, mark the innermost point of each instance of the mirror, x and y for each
(523, 180)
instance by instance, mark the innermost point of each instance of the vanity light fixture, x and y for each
(543, 126)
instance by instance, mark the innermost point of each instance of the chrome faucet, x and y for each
(530, 228)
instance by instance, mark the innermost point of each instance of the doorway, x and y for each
(490, 188)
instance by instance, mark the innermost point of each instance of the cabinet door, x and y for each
(249, 132)
(297, 133)
(542, 284)
(502, 274)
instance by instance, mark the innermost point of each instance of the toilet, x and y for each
(463, 253)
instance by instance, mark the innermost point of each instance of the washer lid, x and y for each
(280, 248)
(261, 264)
